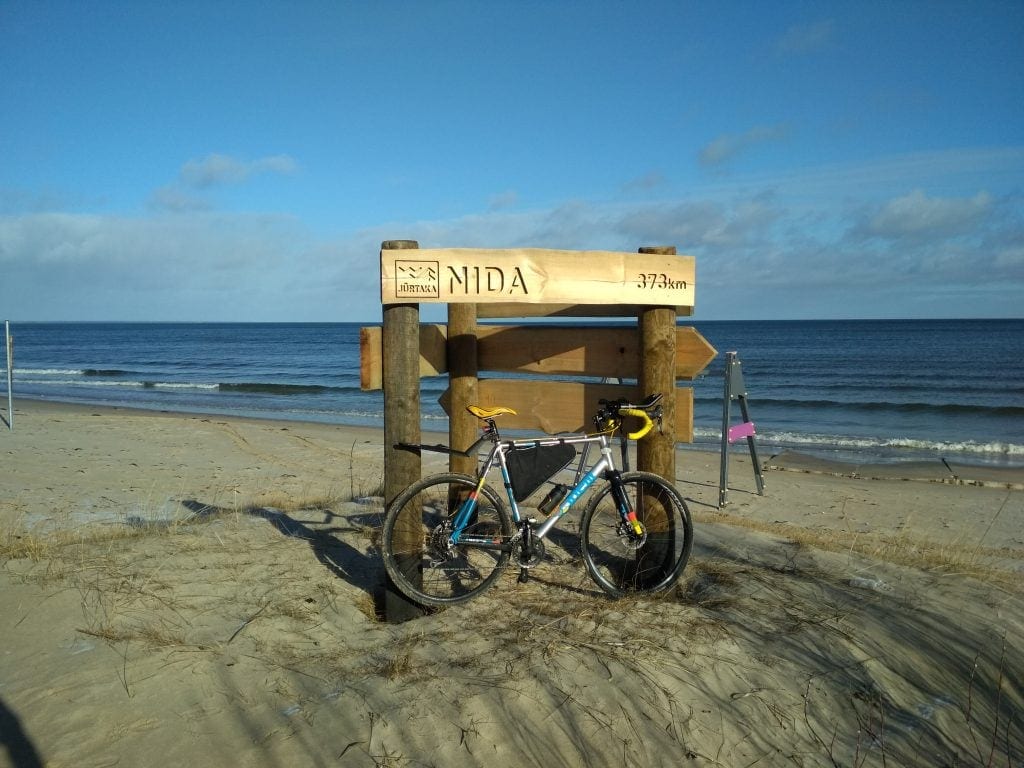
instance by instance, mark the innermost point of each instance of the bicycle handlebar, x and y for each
(616, 408)
(647, 426)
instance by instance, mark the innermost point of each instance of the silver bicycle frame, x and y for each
(601, 466)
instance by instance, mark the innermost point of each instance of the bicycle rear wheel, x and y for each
(415, 541)
(622, 563)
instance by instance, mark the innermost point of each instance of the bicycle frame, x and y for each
(603, 467)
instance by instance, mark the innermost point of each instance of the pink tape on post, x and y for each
(746, 429)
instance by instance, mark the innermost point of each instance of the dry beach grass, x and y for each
(200, 589)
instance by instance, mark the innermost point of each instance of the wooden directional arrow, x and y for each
(693, 353)
(602, 352)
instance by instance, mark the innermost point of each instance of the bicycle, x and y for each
(448, 537)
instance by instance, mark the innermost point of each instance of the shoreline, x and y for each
(936, 471)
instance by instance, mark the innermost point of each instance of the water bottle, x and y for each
(553, 499)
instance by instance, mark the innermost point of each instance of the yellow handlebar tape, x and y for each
(648, 425)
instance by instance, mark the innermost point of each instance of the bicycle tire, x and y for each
(426, 571)
(619, 566)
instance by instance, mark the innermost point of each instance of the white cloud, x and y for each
(702, 223)
(157, 267)
(217, 170)
(175, 199)
(1010, 257)
(726, 147)
(184, 195)
(646, 182)
(918, 215)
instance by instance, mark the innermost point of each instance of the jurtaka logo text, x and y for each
(424, 279)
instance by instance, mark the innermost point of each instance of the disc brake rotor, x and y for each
(630, 539)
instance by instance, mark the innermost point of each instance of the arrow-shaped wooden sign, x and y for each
(602, 352)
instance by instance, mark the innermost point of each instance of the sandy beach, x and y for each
(202, 590)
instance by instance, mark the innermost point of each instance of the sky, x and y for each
(243, 161)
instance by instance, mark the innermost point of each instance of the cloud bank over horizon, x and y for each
(781, 254)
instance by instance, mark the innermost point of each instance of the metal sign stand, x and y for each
(9, 343)
(735, 390)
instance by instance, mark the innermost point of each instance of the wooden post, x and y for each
(401, 379)
(657, 452)
(462, 380)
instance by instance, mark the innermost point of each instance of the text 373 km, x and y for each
(652, 280)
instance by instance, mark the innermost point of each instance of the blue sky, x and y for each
(243, 161)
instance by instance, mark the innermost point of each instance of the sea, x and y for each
(858, 391)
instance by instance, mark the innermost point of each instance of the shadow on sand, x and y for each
(319, 528)
(20, 750)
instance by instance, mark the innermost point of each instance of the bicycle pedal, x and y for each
(524, 576)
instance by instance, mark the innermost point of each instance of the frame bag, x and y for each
(528, 468)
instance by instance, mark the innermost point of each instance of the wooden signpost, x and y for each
(654, 285)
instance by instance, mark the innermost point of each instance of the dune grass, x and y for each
(148, 587)
(961, 558)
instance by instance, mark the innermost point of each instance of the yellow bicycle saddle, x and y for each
(488, 413)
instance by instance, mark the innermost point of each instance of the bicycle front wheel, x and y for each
(623, 563)
(415, 541)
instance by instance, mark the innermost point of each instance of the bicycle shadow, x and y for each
(20, 750)
(361, 570)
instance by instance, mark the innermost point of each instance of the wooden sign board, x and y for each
(560, 406)
(602, 352)
(535, 276)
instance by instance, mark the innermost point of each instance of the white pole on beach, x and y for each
(10, 374)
